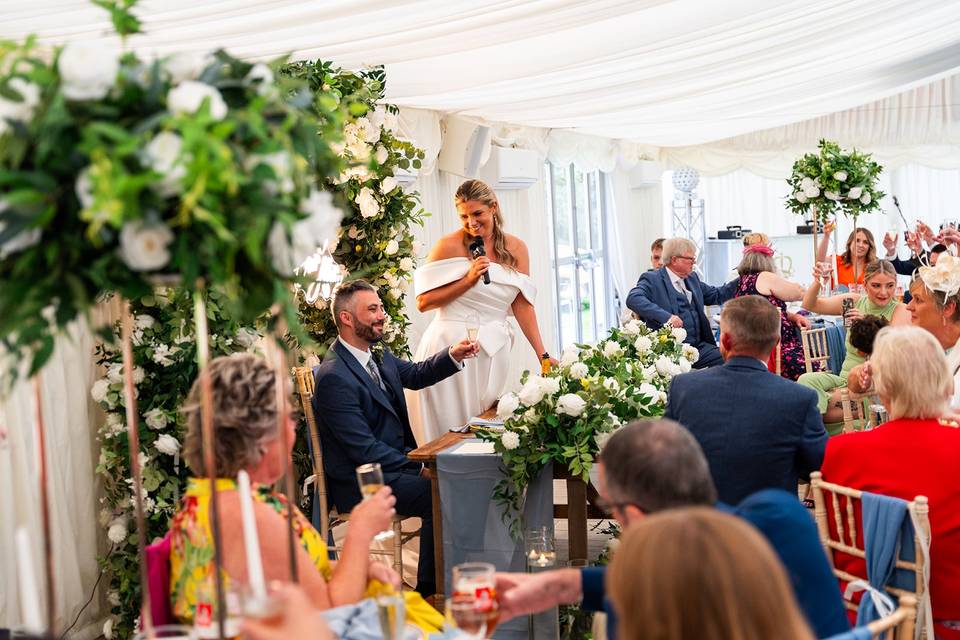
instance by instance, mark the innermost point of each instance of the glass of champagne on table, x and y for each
(370, 479)
(475, 598)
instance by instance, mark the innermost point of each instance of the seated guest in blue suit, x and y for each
(651, 466)
(362, 415)
(758, 430)
(673, 295)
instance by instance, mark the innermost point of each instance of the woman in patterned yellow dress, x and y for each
(245, 425)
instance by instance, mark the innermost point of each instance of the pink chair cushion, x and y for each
(158, 581)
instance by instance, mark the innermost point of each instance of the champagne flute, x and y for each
(392, 616)
(473, 327)
(370, 479)
(826, 271)
(473, 582)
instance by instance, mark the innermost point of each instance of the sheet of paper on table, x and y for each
(474, 448)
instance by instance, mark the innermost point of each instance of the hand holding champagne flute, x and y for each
(473, 327)
(370, 479)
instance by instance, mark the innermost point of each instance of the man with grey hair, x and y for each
(673, 295)
(362, 414)
(654, 465)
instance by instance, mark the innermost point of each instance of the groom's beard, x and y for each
(372, 333)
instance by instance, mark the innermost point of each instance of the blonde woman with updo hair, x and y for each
(452, 282)
(700, 574)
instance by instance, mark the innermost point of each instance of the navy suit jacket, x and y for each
(757, 430)
(358, 423)
(654, 299)
(790, 530)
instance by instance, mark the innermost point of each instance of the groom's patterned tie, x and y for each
(375, 373)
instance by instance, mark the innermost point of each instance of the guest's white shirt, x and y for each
(363, 356)
(679, 285)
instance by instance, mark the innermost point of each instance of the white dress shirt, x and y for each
(679, 285)
(363, 356)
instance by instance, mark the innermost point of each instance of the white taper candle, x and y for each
(251, 541)
(27, 579)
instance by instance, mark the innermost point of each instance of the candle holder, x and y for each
(539, 549)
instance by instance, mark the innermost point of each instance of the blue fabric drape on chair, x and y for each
(886, 522)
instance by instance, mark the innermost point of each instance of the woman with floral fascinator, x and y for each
(758, 276)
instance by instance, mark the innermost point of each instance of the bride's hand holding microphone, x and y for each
(478, 267)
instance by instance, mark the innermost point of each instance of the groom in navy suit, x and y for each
(673, 295)
(362, 415)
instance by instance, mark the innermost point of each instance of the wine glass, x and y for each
(370, 479)
(539, 549)
(461, 613)
(473, 326)
(473, 582)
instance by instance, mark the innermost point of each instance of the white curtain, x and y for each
(663, 72)
(71, 459)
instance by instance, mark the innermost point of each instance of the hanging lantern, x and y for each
(327, 275)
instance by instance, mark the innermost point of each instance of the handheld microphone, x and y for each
(477, 250)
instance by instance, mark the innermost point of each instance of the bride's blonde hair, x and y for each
(481, 192)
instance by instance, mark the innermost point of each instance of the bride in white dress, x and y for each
(452, 283)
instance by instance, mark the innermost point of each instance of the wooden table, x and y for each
(581, 497)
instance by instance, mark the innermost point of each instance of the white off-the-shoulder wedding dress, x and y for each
(450, 403)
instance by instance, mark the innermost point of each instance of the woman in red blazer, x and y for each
(912, 454)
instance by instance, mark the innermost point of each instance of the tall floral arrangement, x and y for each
(376, 240)
(566, 416)
(833, 181)
(116, 169)
(164, 348)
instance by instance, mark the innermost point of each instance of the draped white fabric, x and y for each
(664, 72)
(71, 456)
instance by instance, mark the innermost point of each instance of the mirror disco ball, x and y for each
(685, 179)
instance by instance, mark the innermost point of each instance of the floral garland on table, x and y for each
(114, 170)
(566, 416)
(165, 350)
(832, 181)
(376, 240)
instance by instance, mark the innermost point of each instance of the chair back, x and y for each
(855, 416)
(305, 388)
(899, 625)
(845, 540)
(815, 348)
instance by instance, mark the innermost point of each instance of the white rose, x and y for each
(855, 193)
(685, 365)
(162, 154)
(115, 373)
(690, 352)
(22, 109)
(144, 321)
(396, 293)
(388, 184)
(800, 197)
(865, 198)
(571, 404)
(392, 247)
(406, 264)
(642, 344)
(508, 404)
(381, 155)
(187, 65)
(806, 182)
(532, 392)
(648, 390)
(87, 71)
(612, 349)
(840, 176)
(167, 444)
(679, 334)
(630, 328)
(261, 76)
(108, 629)
(569, 356)
(117, 532)
(320, 227)
(155, 419)
(550, 385)
(187, 98)
(143, 246)
(578, 371)
(611, 385)
(367, 201)
(665, 366)
(510, 440)
(831, 195)
(812, 191)
(99, 390)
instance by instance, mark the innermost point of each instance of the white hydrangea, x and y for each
(117, 532)
(99, 390)
(507, 405)
(569, 356)
(612, 349)
(579, 370)
(510, 440)
(571, 404)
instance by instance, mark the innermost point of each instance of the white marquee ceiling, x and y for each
(663, 72)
